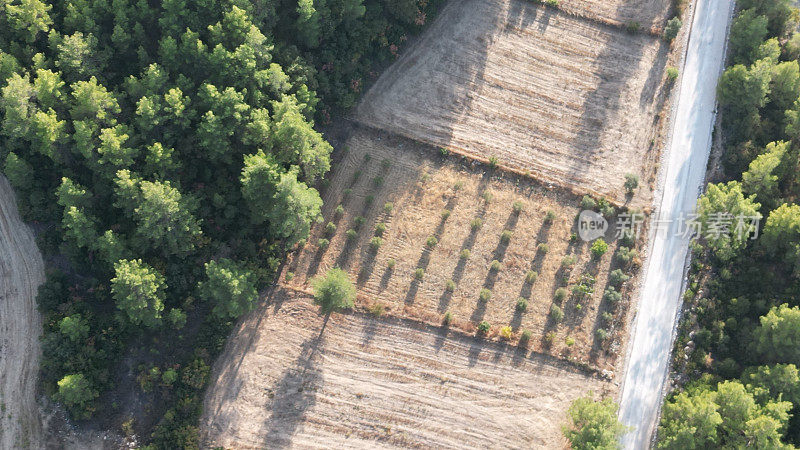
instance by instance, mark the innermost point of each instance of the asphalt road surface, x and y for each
(685, 165)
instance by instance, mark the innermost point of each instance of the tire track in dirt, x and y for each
(21, 273)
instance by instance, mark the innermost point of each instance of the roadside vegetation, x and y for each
(736, 355)
(167, 155)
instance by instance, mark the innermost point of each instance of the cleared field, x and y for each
(570, 101)
(367, 383)
(420, 189)
(649, 14)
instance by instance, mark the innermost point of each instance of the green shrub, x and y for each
(333, 291)
(505, 236)
(601, 334)
(390, 264)
(542, 248)
(550, 337)
(356, 176)
(607, 318)
(552, 3)
(369, 199)
(672, 28)
(378, 181)
(588, 202)
(525, 338)
(351, 234)
(464, 254)
(560, 294)
(443, 151)
(323, 243)
(522, 304)
(569, 341)
(672, 74)
(617, 278)
(493, 162)
(632, 180)
(347, 192)
(476, 224)
(431, 242)
(568, 261)
(487, 196)
(445, 214)
(450, 286)
(380, 228)
(484, 327)
(358, 221)
(367, 157)
(531, 277)
(495, 265)
(485, 295)
(330, 228)
(612, 296)
(338, 211)
(385, 164)
(447, 319)
(599, 248)
(388, 207)
(626, 256)
(506, 333)
(289, 276)
(550, 216)
(375, 243)
(419, 274)
(556, 313)
(632, 27)
(517, 207)
(605, 207)
(376, 309)
(458, 185)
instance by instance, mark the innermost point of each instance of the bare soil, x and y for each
(649, 15)
(21, 273)
(567, 100)
(373, 383)
(420, 189)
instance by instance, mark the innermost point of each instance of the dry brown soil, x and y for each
(568, 100)
(373, 383)
(21, 272)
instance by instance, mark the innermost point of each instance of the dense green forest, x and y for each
(739, 339)
(168, 154)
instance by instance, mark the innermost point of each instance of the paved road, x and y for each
(685, 165)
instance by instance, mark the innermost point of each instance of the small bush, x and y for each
(631, 182)
(588, 202)
(560, 294)
(450, 286)
(517, 207)
(458, 185)
(673, 27)
(338, 211)
(607, 318)
(443, 151)
(484, 327)
(289, 276)
(464, 254)
(419, 274)
(522, 304)
(552, 3)
(568, 261)
(424, 177)
(378, 181)
(672, 74)
(493, 162)
(385, 164)
(525, 338)
(358, 221)
(531, 277)
(447, 319)
(617, 278)
(612, 296)
(388, 207)
(569, 341)
(380, 228)
(485, 295)
(445, 214)
(495, 265)
(550, 337)
(323, 243)
(506, 333)
(542, 248)
(476, 224)
(375, 243)
(376, 309)
(556, 313)
(487, 196)
(626, 256)
(367, 157)
(390, 264)
(599, 248)
(632, 27)
(330, 228)
(369, 199)
(601, 334)
(627, 239)
(505, 236)
(431, 242)
(550, 216)
(351, 234)
(606, 208)
(356, 176)
(346, 193)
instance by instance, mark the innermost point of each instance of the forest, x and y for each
(168, 155)
(738, 347)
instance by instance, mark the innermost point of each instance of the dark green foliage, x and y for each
(334, 291)
(672, 28)
(593, 424)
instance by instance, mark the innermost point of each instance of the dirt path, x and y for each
(21, 272)
(367, 383)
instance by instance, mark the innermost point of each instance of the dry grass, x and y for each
(547, 93)
(649, 14)
(372, 383)
(420, 188)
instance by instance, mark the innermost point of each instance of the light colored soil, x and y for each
(420, 189)
(21, 272)
(649, 14)
(370, 383)
(568, 100)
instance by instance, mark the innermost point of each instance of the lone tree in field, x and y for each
(594, 424)
(334, 291)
